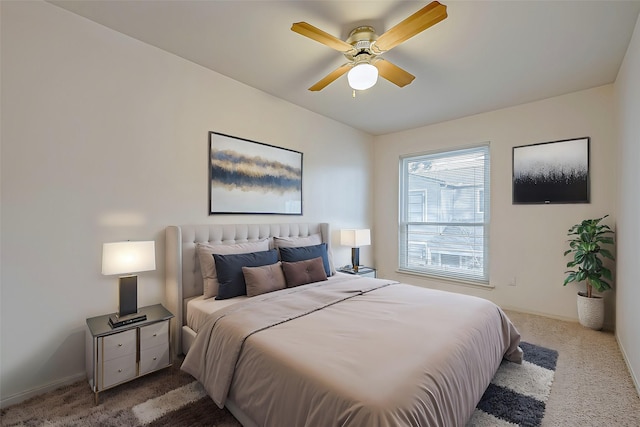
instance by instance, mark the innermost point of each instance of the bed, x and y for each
(349, 350)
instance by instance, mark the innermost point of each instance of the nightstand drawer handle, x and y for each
(155, 358)
(119, 370)
(155, 335)
(119, 345)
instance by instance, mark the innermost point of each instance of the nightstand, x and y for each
(362, 271)
(117, 355)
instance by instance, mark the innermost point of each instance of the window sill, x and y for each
(459, 282)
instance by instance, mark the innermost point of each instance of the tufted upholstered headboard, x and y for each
(183, 276)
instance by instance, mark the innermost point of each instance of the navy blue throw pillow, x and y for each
(303, 253)
(229, 270)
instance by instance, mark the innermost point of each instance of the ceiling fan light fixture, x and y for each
(362, 76)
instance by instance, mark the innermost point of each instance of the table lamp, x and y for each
(355, 239)
(126, 258)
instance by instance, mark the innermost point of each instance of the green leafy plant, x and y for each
(587, 239)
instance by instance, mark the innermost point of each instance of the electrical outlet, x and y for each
(512, 281)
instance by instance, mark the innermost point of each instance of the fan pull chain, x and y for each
(354, 93)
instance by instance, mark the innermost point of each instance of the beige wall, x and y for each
(527, 242)
(105, 138)
(627, 88)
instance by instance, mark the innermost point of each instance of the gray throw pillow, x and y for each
(267, 278)
(303, 272)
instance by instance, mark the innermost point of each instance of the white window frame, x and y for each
(442, 272)
(480, 200)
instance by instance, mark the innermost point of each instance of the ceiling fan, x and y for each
(363, 49)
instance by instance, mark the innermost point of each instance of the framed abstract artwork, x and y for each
(249, 177)
(551, 172)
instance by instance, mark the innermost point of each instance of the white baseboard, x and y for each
(22, 396)
(634, 377)
(608, 327)
(538, 313)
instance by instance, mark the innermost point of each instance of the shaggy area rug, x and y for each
(518, 393)
(515, 397)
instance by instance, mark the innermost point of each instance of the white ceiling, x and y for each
(486, 55)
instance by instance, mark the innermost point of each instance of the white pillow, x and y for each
(208, 266)
(296, 242)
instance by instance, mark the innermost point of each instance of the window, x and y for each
(417, 205)
(444, 214)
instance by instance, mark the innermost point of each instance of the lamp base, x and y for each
(117, 321)
(355, 258)
(128, 296)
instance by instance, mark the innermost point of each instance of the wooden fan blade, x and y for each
(393, 73)
(429, 15)
(318, 35)
(331, 77)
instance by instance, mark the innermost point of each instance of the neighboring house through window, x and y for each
(444, 214)
(417, 205)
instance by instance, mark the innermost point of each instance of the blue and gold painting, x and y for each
(248, 177)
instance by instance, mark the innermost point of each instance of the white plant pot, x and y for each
(591, 312)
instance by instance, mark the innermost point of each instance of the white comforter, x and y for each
(364, 352)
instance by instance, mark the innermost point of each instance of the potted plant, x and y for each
(585, 243)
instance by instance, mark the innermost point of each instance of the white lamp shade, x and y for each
(362, 76)
(355, 238)
(128, 257)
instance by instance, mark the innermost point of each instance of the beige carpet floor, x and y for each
(592, 384)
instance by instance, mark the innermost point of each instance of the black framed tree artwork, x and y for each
(551, 172)
(249, 177)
